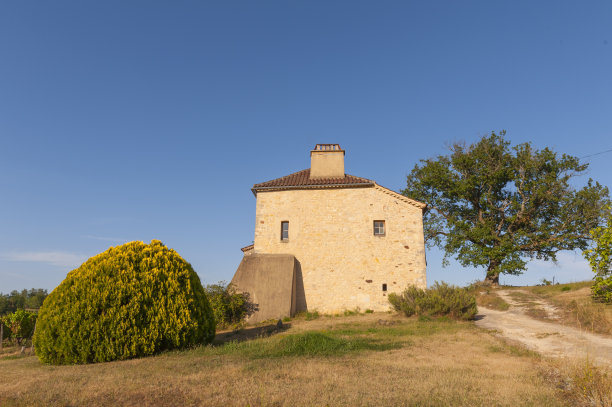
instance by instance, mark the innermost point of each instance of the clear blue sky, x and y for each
(136, 120)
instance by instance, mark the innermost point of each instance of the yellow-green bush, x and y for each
(132, 300)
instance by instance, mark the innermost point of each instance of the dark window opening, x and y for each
(284, 230)
(379, 228)
(385, 287)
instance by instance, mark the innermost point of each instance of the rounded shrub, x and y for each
(132, 300)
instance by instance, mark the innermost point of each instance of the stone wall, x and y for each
(343, 264)
(270, 280)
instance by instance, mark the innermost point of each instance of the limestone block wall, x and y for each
(344, 265)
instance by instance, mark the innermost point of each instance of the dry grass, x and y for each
(486, 297)
(530, 305)
(578, 309)
(582, 383)
(429, 363)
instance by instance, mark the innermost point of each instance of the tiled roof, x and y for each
(247, 248)
(302, 179)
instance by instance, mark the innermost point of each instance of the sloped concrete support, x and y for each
(274, 284)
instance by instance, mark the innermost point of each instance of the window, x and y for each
(385, 287)
(379, 228)
(285, 230)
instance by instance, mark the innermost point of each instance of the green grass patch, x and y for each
(341, 339)
(308, 344)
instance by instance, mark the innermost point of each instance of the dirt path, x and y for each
(546, 338)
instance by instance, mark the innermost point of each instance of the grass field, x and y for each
(371, 359)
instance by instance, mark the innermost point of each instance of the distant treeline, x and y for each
(26, 299)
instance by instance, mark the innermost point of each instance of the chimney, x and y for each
(327, 161)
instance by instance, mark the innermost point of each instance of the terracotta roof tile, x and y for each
(247, 248)
(302, 179)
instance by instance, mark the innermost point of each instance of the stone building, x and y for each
(329, 241)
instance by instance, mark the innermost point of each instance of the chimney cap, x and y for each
(328, 148)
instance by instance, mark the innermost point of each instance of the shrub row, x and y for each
(439, 300)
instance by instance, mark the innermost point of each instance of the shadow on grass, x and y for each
(242, 335)
(263, 342)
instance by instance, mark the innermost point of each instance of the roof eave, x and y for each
(320, 186)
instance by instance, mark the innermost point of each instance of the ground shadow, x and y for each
(246, 334)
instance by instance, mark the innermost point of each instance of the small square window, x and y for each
(384, 287)
(379, 228)
(284, 230)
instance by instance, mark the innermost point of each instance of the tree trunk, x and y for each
(492, 277)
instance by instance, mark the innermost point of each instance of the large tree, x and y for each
(498, 206)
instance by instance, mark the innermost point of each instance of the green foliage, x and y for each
(600, 259)
(26, 299)
(132, 300)
(20, 323)
(439, 300)
(602, 289)
(229, 306)
(496, 206)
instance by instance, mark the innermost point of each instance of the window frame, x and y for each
(282, 238)
(384, 228)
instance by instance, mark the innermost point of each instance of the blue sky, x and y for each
(149, 120)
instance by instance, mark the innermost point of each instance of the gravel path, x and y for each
(546, 338)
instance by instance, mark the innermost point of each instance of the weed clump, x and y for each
(312, 315)
(583, 383)
(441, 299)
(590, 316)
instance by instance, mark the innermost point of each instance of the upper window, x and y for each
(284, 230)
(379, 228)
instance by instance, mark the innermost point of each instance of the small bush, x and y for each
(566, 288)
(229, 306)
(132, 300)
(440, 300)
(21, 324)
(602, 289)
